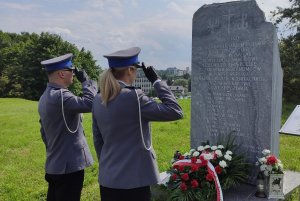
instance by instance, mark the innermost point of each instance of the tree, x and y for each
(11, 49)
(290, 51)
(21, 74)
(292, 14)
(169, 81)
(181, 82)
(190, 85)
(186, 76)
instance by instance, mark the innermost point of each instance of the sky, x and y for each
(162, 28)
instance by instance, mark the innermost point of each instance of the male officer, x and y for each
(61, 129)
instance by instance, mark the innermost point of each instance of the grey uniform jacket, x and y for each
(66, 152)
(124, 163)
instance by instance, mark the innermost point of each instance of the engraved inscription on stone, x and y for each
(236, 77)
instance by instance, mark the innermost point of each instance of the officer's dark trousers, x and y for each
(65, 187)
(135, 194)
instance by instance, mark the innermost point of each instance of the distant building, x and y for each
(187, 70)
(142, 82)
(177, 89)
(180, 72)
(177, 72)
(172, 71)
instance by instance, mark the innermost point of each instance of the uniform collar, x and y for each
(123, 84)
(54, 85)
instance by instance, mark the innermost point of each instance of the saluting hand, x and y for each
(81, 75)
(150, 73)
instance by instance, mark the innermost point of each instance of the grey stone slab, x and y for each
(291, 181)
(246, 192)
(236, 78)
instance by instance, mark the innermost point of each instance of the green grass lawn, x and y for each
(22, 153)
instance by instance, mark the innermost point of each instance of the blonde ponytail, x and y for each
(109, 86)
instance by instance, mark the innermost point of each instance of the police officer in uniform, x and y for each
(61, 129)
(121, 129)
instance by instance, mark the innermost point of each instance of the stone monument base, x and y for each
(245, 192)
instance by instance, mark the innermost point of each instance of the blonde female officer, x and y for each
(122, 136)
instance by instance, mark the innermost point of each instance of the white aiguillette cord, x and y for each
(63, 114)
(141, 128)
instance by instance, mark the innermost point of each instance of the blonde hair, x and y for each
(109, 86)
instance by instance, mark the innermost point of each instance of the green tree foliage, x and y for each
(21, 74)
(290, 54)
(169, 81)
(181, 82)
(292, 14)
(290, 51)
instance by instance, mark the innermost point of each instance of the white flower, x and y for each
(213, 148)
(269, 168)
(266, 152)
(186, 154)
(257, 163)
(262, 160)
(206, 147)
(228, 152)
(208, 156)
(219, 153)
(223, 164)
(228, 157)
(196, 153)
(263, 167)
(220, 147)
(266, 173)
(192, 150)
(200, 148)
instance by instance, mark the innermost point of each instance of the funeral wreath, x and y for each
(205, 172)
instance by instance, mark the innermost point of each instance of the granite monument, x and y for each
(236, 78)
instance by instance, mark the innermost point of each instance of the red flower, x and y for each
(183, 186)
(174, 176)
(215, 155)
(218, 169)
(271, 160)
(194, 168)
(203, 161)
(194, 159)
(194, 183)
(209, 177)
(176, 167)
(181, 168)
(185, 177)
(181, 157)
